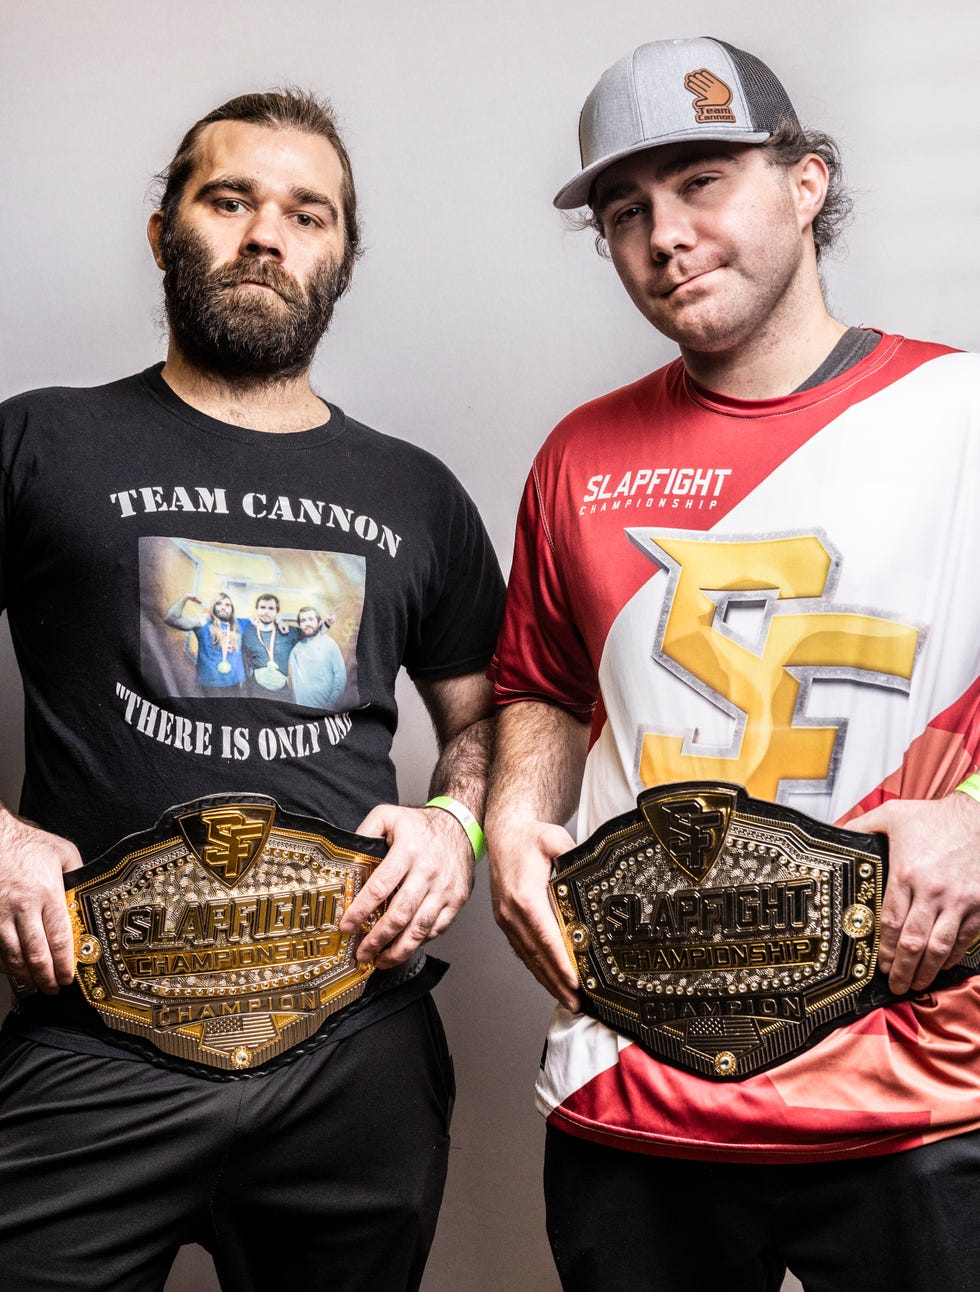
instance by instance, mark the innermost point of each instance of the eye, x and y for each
(699, 183)
(306, 221)
(626, 214)
(229, 205)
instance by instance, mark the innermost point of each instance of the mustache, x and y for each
(264, 272)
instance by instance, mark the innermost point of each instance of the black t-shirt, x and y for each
(117, 502)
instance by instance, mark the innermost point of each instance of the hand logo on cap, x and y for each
(711, 96)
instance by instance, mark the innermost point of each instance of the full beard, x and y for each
(249, 337)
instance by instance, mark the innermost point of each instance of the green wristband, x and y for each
(466, 819)
(971, 786)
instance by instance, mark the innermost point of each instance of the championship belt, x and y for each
(214, 934)
(724, 933)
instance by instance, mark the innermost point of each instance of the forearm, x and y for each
(463, 766)
(176, 618)
(537, 768)
(538, 760)
(461, 709)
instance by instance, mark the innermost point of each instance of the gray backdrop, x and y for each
(476, 319)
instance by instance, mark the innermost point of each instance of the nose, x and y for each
(670, 230)
(264, 235)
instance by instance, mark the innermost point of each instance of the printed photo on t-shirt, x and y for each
(224, 621)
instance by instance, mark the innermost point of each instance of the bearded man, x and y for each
(236, 939)
(316, 666)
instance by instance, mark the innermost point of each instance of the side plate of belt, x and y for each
(214, 934)
(724, 933)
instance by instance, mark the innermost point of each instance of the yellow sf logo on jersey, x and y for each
(760, 685)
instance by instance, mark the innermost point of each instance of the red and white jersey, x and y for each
(783, 594)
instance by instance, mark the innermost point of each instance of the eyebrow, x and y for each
(242, 184)
(665, 170)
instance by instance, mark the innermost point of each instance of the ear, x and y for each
(154, 233)
(810, 179)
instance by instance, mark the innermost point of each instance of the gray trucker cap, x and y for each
(671, 91)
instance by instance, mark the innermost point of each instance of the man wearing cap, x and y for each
(732, 586)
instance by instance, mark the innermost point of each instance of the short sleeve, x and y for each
(463, 605)
(540, 654)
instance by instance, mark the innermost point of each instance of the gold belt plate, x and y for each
(215, 936)
(722, 932)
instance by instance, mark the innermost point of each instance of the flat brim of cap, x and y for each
(576, 192)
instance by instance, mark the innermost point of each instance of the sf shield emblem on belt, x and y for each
(215, 934)
(722, 932)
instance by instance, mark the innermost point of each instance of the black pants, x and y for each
(324, 1174)
(628, 1222)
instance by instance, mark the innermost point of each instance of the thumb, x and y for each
(379, 822)
(872, 822)
(555, 840)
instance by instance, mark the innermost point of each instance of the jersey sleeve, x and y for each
(540, 653)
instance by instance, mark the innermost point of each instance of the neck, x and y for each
(776, 358)
(277, 405)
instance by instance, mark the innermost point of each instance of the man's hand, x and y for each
(708, 90)
(36, 945)
(520, 867)
(537, 771)
(931, 910)
(427, 874)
